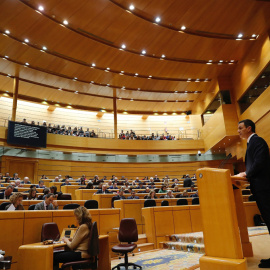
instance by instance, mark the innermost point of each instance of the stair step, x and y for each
(195, 238)
(141, 239)
(144, 247)
(180, 246)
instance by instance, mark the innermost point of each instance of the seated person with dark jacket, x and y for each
(103, 190)
(25, 181)
(151, 195)
(41, 184)
(6, 193)
(184, 194)
(66, 183)
(53, 190)
(48, 204)
(187, 182)
(113, 186)
(140, 186)
(192, 189)
(133, 196)
(195, 195)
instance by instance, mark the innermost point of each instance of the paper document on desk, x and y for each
(11, 208)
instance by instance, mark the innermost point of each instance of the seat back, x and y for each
(3, 205)
(31, 207)
(91, 204)
(195, 201)
(71, 206)
(178, 196)
(165, 203)
(251, 198)
(182, 202)
(162, 196)
(128, 230)
(245, 191)
(50, 231)
(65, 197)
(93, 244)
(149, 203)
(114, 199)
(40, 197)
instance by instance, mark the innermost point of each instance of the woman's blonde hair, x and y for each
(13, 198)
(83, 216)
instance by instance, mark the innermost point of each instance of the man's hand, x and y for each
(242, 174)
(55, 203)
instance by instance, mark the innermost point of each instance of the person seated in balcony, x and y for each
(163, 189)
(95, 180)
(116, 181)
(166, 182)
(43, 176)
(15, 202)
(92, 134)
(87, 133)
(15, 177)
(25, 181)
(169, 195)
(49, 203)
(74, 132)
(41, 184)
(103, 190)
(18, 183)
(176, 183)
(45, 192)
(184, 194)
(66, 183)
(7, 180)
(151, 195)
(32, 195)
(126, 182)
(133, 196)
(69, 131)
(24, 121)
(82, 182)
(192, 189)
(81, 132)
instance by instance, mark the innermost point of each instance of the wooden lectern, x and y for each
(224, 223)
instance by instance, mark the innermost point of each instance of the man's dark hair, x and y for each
(248, 123)
(48, 195)
(9, 186)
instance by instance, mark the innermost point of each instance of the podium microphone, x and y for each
(223, 162)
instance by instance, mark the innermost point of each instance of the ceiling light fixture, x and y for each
(7, 32)
(44, 48)
(163, 56)
(131, 7)
(157, 19)
(65, 22)
(123, 46)
(27, 64)
(143, 51)
(26, 40)
(41, 8)
(183, 28)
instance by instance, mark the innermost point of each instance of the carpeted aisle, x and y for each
(164, 260)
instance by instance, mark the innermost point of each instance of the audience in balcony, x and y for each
(49, 203)
(169, 195)
(163, 189)
(133, 196)
(32, 195)
(15, 177)
(43, 176)
(192, 188)
(6, 193)
(103, 190)
(25, 181)
(151, 195)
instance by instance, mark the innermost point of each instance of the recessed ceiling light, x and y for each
(92, 82)
(26, 40)
(93, 65)
(123, 88)
(27, 64)
(6, 56)
(44, 48)
(136, 74)
(196, 92)
(65, 22)
(176, 101)
(165, 100)
(143, 51)
(108, 68)
(123, 46)
(183, 28)
(197, 80)
(163, 56)
(220, 61)
(240, 35)
(119, 98)
(41, 8)
(185, 91)
(232, 61)
(122, 71)
(187, 100)
(150, 76)
(131, 99)
(60, 89)
(165, 114)
(157, 19)
(175, 92)
(131, 7)
(108, 84)
(76, 92)
(7, 32)
(139, 89)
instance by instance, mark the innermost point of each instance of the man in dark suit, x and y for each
(257, 171)
(133, 196)
(6, 194)
(48, 204)
(104, 190)
(187, 182)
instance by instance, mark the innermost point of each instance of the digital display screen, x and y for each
(26, 135)
(67, 233)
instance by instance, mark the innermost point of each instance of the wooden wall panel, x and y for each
(52, 168)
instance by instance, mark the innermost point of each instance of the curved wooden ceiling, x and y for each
(86, 57)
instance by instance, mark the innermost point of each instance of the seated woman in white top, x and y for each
(16, 200)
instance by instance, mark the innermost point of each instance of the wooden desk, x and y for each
(40, 257)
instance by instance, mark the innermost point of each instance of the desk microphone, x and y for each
(224, 161)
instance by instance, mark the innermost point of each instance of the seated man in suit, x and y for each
(56, 179)
(25, 181)
(15, 177)
(176, 182)
(14, 186)
(133, 196)
(120, 195)
(169, 194)
(48, 204)
(195, 195)
(6, 194)
(18, 183)
(151, 185)
(66, 183)
(140, 186)
(184, 194)
(192, 189)
(103, 190)
(156, 179)
(41, 184)
(113, 186)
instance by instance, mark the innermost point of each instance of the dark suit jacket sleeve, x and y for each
(39, 206)
(260, 153)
